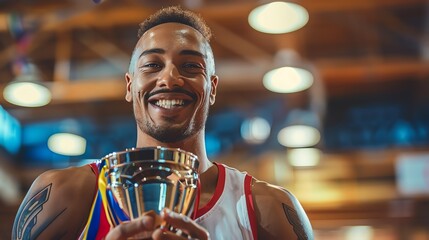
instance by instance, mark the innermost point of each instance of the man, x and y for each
(171, 83)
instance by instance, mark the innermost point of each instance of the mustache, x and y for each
(174, 90)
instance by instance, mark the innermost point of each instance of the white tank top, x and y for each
(230, 213)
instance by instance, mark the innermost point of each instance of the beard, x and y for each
(169, 132)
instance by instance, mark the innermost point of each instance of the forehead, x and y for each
(172, 35)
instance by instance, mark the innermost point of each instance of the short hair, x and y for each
(178, 15)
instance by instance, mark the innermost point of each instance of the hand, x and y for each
(125, 230)
(184, 225)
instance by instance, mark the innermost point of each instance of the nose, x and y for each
(170, 77)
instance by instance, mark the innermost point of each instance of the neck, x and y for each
(195, 145)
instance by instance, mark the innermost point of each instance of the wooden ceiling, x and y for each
(359, 47)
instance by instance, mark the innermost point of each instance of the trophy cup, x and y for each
(140, 180)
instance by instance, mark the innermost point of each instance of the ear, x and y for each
(129, 80)
(214, 80)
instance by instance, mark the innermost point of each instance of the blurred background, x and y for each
(334, 108)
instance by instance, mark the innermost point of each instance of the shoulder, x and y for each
(265, 190)
(56, 205)
(72, 177)
(67, 184)
(279, 213)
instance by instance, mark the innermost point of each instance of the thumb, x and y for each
(131, 228)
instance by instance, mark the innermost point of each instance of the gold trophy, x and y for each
(140, 180)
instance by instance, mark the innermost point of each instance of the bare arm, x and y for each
(279, 213)
(56, 206)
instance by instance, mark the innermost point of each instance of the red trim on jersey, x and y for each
(250, 206)
(197, 200)
(218, 191)
(94, 169)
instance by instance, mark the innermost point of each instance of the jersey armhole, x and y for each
(217, 194)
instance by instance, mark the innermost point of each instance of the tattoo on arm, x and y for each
(27, 216)
(46, 224)
(292, 217)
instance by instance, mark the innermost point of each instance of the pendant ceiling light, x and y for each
(304, 157)
(68, 140)
(278, 17)
(298, 136)
(26, 89)
(301, 129)
(288, 80)
(290, 74)
(67, 144)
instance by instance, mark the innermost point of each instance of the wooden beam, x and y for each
(241, 46)
(346, 72)
(339, 5)
(87, 90)
(62, 57)
(125, 14)
(249, 77)
(106, 50)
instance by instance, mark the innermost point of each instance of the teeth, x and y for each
(164, 103)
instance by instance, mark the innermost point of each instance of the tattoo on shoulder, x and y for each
(292, 217)
(27, 215)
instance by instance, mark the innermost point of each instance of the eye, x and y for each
(193, 67)
(151, 67)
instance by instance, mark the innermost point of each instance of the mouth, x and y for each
(171, 99)
(169, 104)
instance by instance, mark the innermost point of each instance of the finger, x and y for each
(163, 234)
(185, 224)
(131, 228)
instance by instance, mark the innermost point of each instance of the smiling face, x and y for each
(171, 83)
